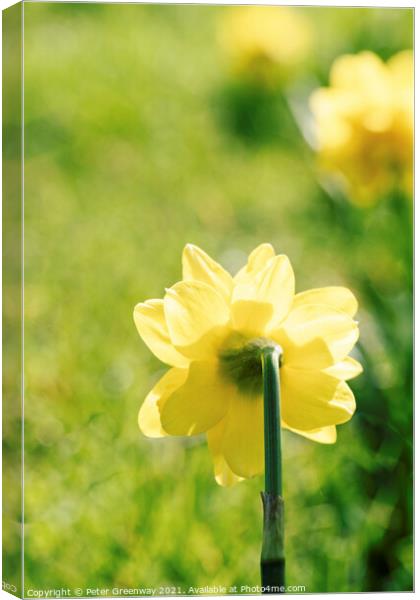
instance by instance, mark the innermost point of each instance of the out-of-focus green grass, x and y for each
(126, 160)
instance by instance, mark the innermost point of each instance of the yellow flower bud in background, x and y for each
(265, 42)
(364, 124)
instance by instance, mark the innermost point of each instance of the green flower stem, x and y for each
(272, 440)
(272, 553)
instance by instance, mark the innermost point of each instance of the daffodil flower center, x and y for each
(240, 362)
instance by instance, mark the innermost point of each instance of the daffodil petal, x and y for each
(257, 261)
(199, 266)
(274, 285)
(325, 435)
(223, 474)
(149, 414)
(345, 369)
(243, 438)
(338, 297)
(251, 317)
(197, 405)
(315, 336)
(151, 324)
(314, 399)
(196, 315)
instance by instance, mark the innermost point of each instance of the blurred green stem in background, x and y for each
(272, 554)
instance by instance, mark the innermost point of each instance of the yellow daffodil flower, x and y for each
(266, 41)
(210, 328)
(364, 123)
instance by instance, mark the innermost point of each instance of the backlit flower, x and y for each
(364, 123)
(210, 328)
(266, 41)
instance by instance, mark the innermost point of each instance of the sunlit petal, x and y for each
(274, 285)
(199, 266)
(314, 399)
(149, 414)
(251, 317)
(337, 297)
(151, 324)
(324, 435)
(315, 336)
(196, 315)
(198, 404)
(257, 261)
(243, 439)
(223, 473)
(345, 369)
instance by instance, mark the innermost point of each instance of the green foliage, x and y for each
(126, 160)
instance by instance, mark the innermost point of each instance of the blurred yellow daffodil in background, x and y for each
(266, 42)
(364, 124)
(210, 329)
